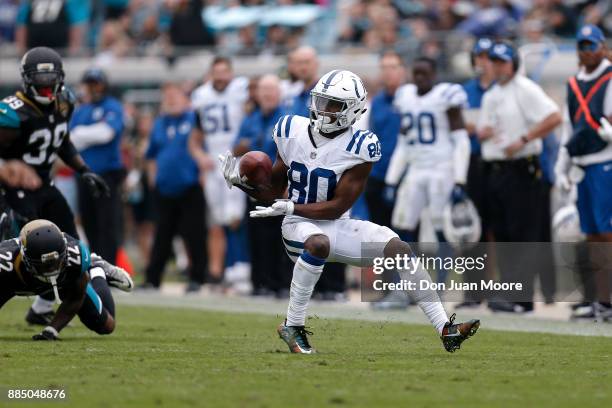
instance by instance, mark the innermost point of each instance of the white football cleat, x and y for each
(115, 276)
(119, 278)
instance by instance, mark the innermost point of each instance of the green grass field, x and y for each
(181, 357)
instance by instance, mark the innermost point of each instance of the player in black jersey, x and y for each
(44, 260)
(34, 129)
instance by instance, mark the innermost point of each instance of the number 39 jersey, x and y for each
(219, 114)
(314, 171)
(425, 131)
(14, 274)
(42, 129)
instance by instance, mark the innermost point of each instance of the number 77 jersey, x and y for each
(316, 164)
(41, 129)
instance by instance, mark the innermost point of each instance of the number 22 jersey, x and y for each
(315, 169)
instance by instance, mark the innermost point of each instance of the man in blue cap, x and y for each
(516, 114)
(475, 88)
(585, 157)
(96, 129)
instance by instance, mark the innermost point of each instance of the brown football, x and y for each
(256, 167)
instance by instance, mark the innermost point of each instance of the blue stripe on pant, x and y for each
(294, 248)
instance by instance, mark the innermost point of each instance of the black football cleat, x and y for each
(455, 334)
(296, 338)
(39, 319)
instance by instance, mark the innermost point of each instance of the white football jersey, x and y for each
(314, 172)
(220, 113)
(425, 131)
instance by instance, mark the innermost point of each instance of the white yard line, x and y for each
(546, 320)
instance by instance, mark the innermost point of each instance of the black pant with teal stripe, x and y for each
(97, 306)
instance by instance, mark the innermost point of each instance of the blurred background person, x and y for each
(96, 129)
(385, 123)
(180, 204)
(430, 162)
(139, 194)
(219, 105)
(60, 24)
(588, 144)
(305, 63)
(476, 181)
(515, 115)
(270, 267)
(292, 85)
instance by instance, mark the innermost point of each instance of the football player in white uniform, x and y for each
(326, 161)
(433, 150)
(219, 105)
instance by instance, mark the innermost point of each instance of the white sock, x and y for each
(306, 273)
(41, 305)
(428, 300)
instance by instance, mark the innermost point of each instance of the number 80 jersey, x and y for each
(314, 171)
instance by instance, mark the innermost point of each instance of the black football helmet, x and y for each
(43, 250)
(42, 73)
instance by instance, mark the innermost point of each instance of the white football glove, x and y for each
(562, 170)
(280, 207)
(230, 169)
(605, 131)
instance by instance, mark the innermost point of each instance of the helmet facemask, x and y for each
(329, 114)
(462, 225)
(43, 86)
(46, 269)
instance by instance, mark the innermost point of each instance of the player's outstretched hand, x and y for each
(231, 170)
(97, 184)
(280, 207)
(49, 333)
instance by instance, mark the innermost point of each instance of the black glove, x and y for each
(96, 183)
(48, 333)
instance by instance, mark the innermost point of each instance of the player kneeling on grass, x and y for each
(325, 163)
(45, 260)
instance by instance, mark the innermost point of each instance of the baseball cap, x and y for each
(94, 75)
(502, 51)
(591, 33)
(482, 45)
